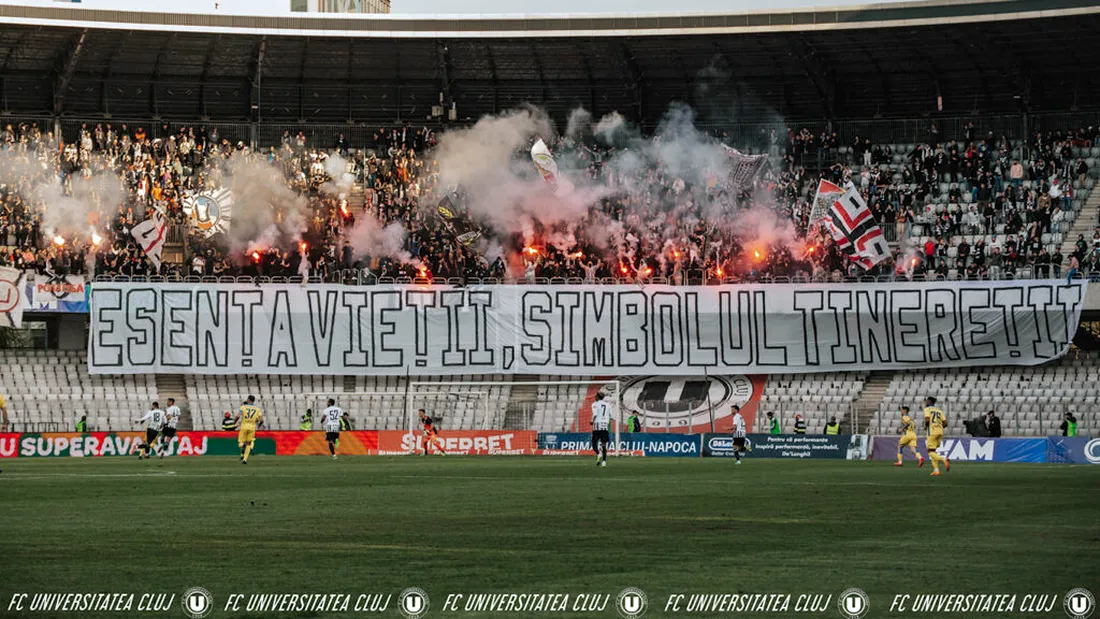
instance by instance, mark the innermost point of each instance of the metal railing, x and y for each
(360, 133)
(366, 278)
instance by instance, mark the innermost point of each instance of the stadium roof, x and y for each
(852, 62)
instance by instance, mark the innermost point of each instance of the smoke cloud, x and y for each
(266, 212)
(665, 186)
(369, 238)
(68, 204)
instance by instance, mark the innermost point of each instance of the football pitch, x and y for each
(471, 525)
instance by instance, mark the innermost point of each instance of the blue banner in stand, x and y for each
(789, 446)
(48, 295)
(636, 443)
(1073, 450)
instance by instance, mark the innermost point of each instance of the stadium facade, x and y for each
(340, 6)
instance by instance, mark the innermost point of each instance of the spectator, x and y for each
(1016, 174)
(992, 424)
(799, 424)
(996, 263)
(1069, 425)
(773, 424)
(633, 424)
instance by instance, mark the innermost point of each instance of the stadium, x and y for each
(811, 287)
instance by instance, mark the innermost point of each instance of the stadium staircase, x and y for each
(356, 199)
(521, 403)
(175, 250)
(874, 390)
(1084, 224)
(173, 386)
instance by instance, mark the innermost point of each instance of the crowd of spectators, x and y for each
(119, 174)
(945, 190)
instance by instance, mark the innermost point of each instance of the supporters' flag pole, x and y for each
(826, 194)
(409, 408)
(710, 402)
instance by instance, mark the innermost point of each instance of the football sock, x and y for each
(332, 448)
(935, 460)
(247, 451)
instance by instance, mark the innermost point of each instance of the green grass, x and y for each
(519, 524)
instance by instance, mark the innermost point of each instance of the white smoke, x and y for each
(336, 167)
(664, 186)
(67, 205)
(579, 124)
(266, 212)
(369, 238)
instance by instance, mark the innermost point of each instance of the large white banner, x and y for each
(577, 330)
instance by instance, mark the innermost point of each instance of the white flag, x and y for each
(546, 165)
(150, 234)
(11, 298)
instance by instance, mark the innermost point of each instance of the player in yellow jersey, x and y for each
(908, 437)
(935, 421)
(249, 417)
(3, 414)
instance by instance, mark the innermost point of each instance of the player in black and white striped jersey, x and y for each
(601, 428)
(154, 421)
(331, 419)
(171, 422)
(740, 440)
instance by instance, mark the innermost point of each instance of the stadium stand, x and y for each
(1029, 401)
(816, 397)
(375, 402)
(975, 222)
(50, 390)
(921, 168)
